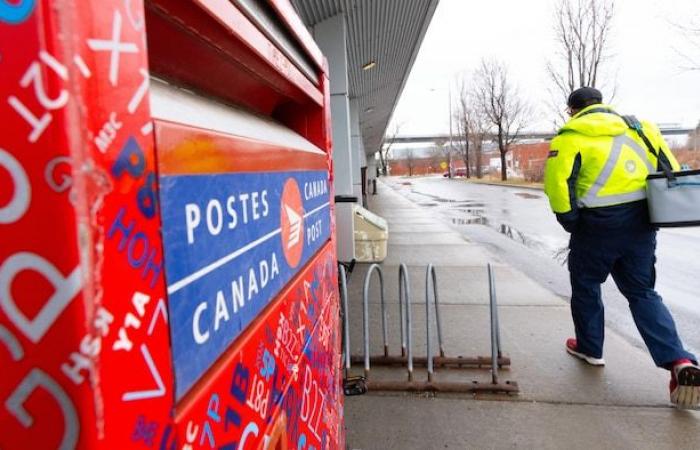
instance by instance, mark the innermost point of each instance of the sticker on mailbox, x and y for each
(232, 242)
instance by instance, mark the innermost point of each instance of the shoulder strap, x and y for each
(634, 124)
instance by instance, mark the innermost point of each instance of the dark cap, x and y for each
(583, 97)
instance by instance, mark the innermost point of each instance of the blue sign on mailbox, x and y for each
(232, 242)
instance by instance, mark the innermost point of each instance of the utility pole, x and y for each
(449, 150)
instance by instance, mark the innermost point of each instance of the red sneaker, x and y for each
(571, 347)
(685, 385)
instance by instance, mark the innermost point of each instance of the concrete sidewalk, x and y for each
(563, 403)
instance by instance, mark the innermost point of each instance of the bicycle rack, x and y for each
(356, 385)
(494, 362)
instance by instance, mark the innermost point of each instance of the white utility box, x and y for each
(371, 235)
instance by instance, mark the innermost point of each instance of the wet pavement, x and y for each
(562, 403)
(517, 224)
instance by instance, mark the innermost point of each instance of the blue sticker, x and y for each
(16, 13)
(232, 242)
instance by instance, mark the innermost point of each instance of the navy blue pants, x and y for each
(630, 259)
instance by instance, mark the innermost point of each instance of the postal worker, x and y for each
(595, 179)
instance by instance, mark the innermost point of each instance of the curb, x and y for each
(519, 186)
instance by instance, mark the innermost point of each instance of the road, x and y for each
(517, 225)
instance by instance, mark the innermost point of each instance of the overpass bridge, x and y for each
(432, 138)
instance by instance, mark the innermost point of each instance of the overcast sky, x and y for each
(644, 53)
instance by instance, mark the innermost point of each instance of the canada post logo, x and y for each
(292, 223)
(232, 242)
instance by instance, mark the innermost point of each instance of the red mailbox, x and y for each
(167, 266)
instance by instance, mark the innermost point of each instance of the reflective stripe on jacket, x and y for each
(597, 161)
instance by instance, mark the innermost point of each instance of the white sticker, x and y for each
(65, 289)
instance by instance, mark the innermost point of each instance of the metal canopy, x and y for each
(386, 32)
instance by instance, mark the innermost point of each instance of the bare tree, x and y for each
(582, 32)
(478, 121)
(689, 57)
(385, 148)
(472, 126)
(410, 160)
(502, 105)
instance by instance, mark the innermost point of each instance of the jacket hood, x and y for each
(596, 123)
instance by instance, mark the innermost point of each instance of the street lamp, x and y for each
(450, 150)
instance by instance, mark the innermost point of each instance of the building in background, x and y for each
(529, 160)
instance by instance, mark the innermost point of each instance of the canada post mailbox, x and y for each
(168, 275)
(232, 241)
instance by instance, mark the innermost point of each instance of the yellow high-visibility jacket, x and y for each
(597, 161)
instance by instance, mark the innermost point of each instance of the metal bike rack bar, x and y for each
(365, 314)
(437, 308)
(346, 317)
(495, 332)
(429, 275)
(404, 290)
(407, 339)
(352, 385)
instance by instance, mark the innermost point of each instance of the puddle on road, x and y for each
(475, 216)
(526, 195)
(478, 220)
(469, 204)
(503, 228)
(436, 198)
(470, 212)
(561, 255)
(517, 235)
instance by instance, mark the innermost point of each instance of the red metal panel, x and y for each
(187, 150)
(285, 367)
(81, 285)
(220, 25)
(212, 47)
(287, 13)
(308, 121)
